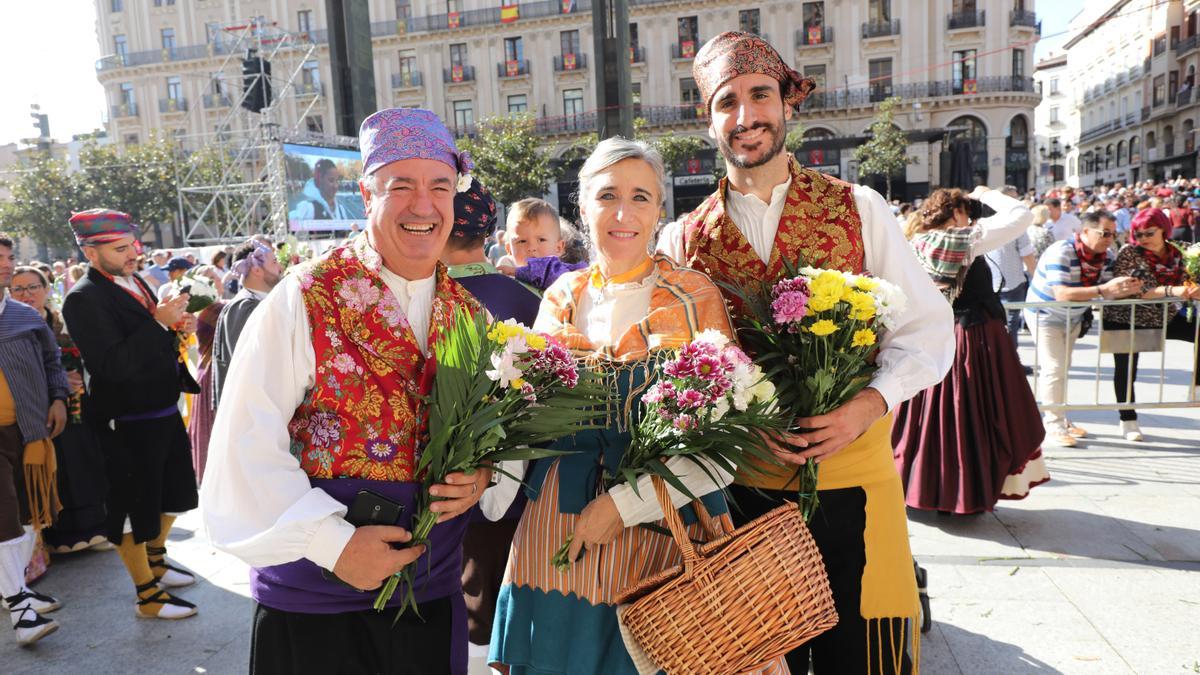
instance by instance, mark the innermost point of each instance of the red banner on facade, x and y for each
(456, 73)
(693, 165)
(568, 6)
(509, 13)
(512, 68)
(687, 49)
(569, 62)
(970, 86)
(452, 19)
(814, 35)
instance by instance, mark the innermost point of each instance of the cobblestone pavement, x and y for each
(1097, 571)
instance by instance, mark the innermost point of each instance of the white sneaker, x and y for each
(31, 626)
(1130, 430)
(38, 602)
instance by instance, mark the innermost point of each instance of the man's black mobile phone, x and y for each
(369, 508)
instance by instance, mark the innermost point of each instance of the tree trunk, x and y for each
(888, 178)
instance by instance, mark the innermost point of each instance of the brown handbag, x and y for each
(737, 602)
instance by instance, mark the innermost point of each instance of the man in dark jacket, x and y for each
(130, 347)
(258, 271)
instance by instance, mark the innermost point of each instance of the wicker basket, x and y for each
(737, 602)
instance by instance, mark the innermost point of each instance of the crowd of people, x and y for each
(301, 385)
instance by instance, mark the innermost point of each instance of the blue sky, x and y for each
(51, 50)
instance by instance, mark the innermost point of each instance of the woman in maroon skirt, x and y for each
(204, 409)
(974, 438)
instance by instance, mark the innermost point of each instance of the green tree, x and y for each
(508, 158)
(43, 195)
(140, 180)
(795, 138)
(886, 152)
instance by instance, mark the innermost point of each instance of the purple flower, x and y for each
(793, 285)
(790, 307)
(690, 398)
(358, 294)
(325, 428)
(708, 367)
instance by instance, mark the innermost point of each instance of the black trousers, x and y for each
(837, 527)
(1178, 328)
(353, 643)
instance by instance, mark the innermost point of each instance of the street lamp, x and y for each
(1054, 154)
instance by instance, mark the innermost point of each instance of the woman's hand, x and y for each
(1188, 292)
(599, 524)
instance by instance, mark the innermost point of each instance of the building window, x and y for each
(1018, 132)
(315, 124)
(689, 95)
(1053, 85)
(116, 5)
(816, 73)
(635, 96)
(403, 9)
(1160, 91)
(881, 78)
(1054, 114)
(408, 65)
(572, 102)
(131, 139)
(121, 47)
(518, 103)
(168, 38)
(1018, 63)
(689, 36)
(879, 11)
(748, 21)
(453, 6)
(310, 75)
(174, 89)
(569, 42)
(464, 116)
(633, 38)
(127, 98)
(458, 54)
(304, 21)
(514, 56)
(814, 17)
(964, 72)
(964, 6)
(1172, 85)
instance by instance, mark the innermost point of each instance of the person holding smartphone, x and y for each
(321, 423)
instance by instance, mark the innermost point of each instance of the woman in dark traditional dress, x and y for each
(972, 439)
(204, 407)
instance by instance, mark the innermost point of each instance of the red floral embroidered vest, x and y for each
(363, 418)
(820, 224)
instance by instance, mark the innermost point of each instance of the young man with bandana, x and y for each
(769, 211)
(322, 401)
(129, 342)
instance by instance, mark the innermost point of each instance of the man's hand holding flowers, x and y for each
(459, 493)
(835, 430)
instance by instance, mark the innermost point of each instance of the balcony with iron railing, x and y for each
(216, 101)
(865, 96)
(1134, 73)
(172, 105)
(637, 55)
(568, 63)
(1130, 118)
(409, 79)
(1184, 97)
(455, 74)
(1147, 64)
(123, 110)
(1186, 45)
(566, 124)
(512, 68)
(1145, 113)
(959, 20)
(685, 49)
(464, 131)
(1024, 18)
(1097, 131)
(814, 36)
(874, 29)
(1109, 84)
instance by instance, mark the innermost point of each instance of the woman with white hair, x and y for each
(619, 313)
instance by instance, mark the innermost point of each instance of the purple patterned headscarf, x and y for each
(408, 133)
(257, 258)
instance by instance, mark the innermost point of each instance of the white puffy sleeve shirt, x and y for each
(918, 352)
(256, 501)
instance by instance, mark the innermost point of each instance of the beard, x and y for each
(776, 140)
(112, 270)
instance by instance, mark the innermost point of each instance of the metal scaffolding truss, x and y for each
(239, 190)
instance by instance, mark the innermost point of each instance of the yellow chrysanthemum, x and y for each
(518, 382)
(823, 302)
(862, 306)
(828, 282)
(866, 284)
(535, 341)
(823, 327)
(863, 338)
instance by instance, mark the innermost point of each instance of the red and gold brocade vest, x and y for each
(820, 224)
(363, 417)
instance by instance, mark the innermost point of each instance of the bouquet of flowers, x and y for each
(499, 390)
(815, 335)
(711, 404)
(72, 359)
(200, 290)
(1191, 267)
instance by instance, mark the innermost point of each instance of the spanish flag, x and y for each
(509, 13)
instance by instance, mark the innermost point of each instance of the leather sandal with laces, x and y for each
(38, 602)
(31, 626)
(170, 606)
(167, 575)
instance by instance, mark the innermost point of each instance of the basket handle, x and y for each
(675, 523)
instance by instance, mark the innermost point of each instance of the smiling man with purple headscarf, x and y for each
(322, 404)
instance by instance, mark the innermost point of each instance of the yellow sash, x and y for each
(40, 465)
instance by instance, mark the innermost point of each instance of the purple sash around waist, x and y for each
(299, 586)
(152, 415)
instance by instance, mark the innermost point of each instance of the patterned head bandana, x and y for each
(474, 211)
(101, 226)
(257, 258)
(395, 134)
(731, 54)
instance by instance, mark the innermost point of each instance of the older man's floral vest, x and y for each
(363, 417)
(820, 225)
